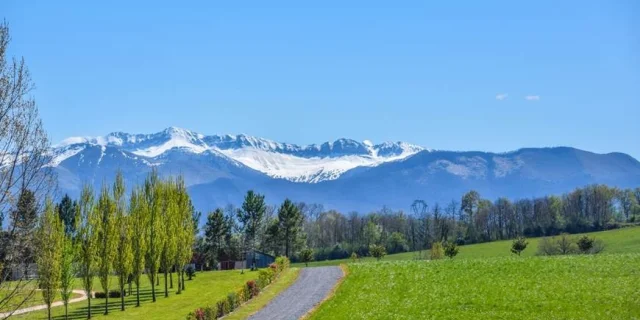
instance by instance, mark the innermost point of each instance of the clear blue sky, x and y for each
(431, 74)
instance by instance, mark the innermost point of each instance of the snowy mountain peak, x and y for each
(310, 163)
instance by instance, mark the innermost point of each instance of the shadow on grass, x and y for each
(97, 306)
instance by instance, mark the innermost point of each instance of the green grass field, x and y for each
(561, 287)
(204, 290)
(625, 240)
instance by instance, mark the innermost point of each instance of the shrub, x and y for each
(99, 295)
(254, 290)
(585, 243)
(546, 247)
(115, 294)
(282, 263)
(519, 245)
(437, 251)
(377, 251)
(246, 293)
(451, 249)
(190, 271)
(197, 315)
(354, 257)
(233, 300)
(223, 308)
(209, 313)
(306, 256)
(266, 276)
(565, 244)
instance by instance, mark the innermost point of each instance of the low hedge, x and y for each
(247, 292)
(112, 294)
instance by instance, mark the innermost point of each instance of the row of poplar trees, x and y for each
(150, 232)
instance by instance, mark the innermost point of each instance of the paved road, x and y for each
(83, 296)
(311, 287)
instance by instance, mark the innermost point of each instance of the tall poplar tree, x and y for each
(67, 275)
(184, 231)
(153, 197)
(124, 255)
(50, 238)
(87, 239)
(139, 215)
(169, 217)
(107, 240)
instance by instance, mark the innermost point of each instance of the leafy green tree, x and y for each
(87, 240)
(377, 251)
(519, 245)
(67, 275)
(50, 236)
(139, 219)
(397, 243)
(169, 217)
(153, 194)
(107, 240)
(306, 256)
(250, 217)
(469, 205)
(67, 213)
(215, 231)
(124, 254)
(290, 222)
(451, 249)
(185, 231)
(24, 224)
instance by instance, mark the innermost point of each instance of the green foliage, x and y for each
(106, 226)
(290, 224)
(67, 275)
(123, 263)
(282, 263)
(87, 238)
(519, 245)
(354, 257)
(191, 271)
(451, 249)
(139, 223)
(585, 243)
(67, 214)
(377, 251)
(306, 256)
(437, 251)
(50, 242)
(495, 288)
(250, 217)
(397, 243)
(216, 230)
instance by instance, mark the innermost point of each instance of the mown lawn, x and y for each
(561, 287)
(33, 298)
(625, 240)
(204, 290)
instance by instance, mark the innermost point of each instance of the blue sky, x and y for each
(446, 75)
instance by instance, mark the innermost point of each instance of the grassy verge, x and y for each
(205, 289)
(254, 305)
(625, 240)
(566, 287)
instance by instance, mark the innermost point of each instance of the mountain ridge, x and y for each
(343, 178)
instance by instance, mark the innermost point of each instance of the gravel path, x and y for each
(83, 296)
(311, 287)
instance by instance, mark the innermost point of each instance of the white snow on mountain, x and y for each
(312, 163)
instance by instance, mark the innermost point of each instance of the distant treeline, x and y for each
(472, 219)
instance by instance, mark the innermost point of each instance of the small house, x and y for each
(254, 258)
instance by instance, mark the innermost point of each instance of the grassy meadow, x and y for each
(561, 287)
(625, 240)
(205, 289)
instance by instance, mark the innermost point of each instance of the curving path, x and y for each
(311, 287)
(83, 296)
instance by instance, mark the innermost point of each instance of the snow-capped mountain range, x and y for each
(345, 174)
(311, 163)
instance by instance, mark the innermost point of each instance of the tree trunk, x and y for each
(106, 302)
(182, 278)
(138, 293)
(166, 290)
(122, 298)
(66, 311)
(153, 290)
(89, 309)
(171, 278)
